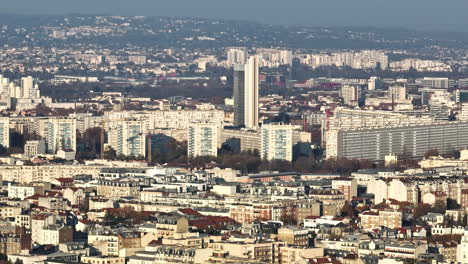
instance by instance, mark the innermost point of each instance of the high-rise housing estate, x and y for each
(28, 89)
(412, 140)
(246, 94)
(203, 139)
(236, 55)
(273, 57)
(5, 132)
(128, 137)
(60, 134)
(344, 118)
(366, 59)
(276, 142)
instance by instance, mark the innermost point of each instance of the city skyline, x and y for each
(149, 140)
(431, 15)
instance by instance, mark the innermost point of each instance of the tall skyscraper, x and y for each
(276, 142)
(246, 94)
(203, 139)
(128, 137)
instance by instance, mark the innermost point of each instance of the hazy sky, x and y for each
(450, 15)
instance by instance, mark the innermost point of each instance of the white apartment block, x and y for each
(59, 133)
(276, 142)
(353, 118)
(21, 191)
(46, 173)
(376, 143)
(128, 137)
(177, 119)
(5, 132)
(366, 59)
(203, 139)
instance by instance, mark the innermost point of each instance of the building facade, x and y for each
(246, 93)
(276, 142)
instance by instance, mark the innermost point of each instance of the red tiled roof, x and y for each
(189, 211)
(64, 180)
(221, 219)
(34, 197)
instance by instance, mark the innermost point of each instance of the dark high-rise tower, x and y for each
(246, 94)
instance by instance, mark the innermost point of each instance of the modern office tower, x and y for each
(435, 82)
(412, 140)
(5, 132)
(128, 137)
(374, 83)
(236, 55)
(276, 142)
(203, 139)
(397, 93)
(246, 94)
(350, 95)
(60, 134)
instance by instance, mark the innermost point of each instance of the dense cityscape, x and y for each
(150, 140)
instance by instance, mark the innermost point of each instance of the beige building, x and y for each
(168, 225)
(117, 188)
(347, 186)
(293, 254)
(266, 251)
(295, 236)
(9, 211)
(45, 173)
(387, 218)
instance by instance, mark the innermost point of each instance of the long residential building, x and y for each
(415, 140)
(45, 173)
